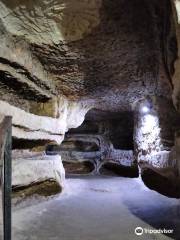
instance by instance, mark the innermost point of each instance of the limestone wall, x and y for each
(34, 127)
(31, 170)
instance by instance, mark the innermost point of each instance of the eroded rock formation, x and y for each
(100, 140)
(37, 168)
(61, 58)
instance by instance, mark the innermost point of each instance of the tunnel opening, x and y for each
(103, 144)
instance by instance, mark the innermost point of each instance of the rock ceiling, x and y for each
(110, 53)
(50, 21)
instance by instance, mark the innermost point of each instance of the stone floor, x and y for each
(98, 208)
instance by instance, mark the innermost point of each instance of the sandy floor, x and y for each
(98, 208)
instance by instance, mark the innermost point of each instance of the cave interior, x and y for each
(93, 88)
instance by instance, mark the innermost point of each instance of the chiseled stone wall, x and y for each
(37, 168)
(154, 132)
(34, 127)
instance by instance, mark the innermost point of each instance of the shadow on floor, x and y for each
(159, 214)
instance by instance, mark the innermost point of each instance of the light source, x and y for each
(145, 109)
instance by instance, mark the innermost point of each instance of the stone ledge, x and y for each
(27, 171)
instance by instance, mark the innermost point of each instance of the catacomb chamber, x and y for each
(92, 89)
(102, 144)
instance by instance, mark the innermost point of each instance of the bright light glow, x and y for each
(148, 136)
(150, 133)
(145, 109)
(150, 123)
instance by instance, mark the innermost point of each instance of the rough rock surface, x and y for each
(112, 78)
(85, 167)
(176, 76)
(93, 143)
(50, 21)
(37, 65)
(83, 69)
(119, 170)
(34, 127)
(37, 169)
(154, 134)
(60, 58)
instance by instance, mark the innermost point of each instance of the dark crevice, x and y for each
(43, 188)
(27, 144)
(85, 167)
(20, 69)
(20, 88)
(110, 168)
